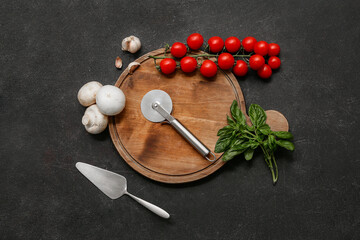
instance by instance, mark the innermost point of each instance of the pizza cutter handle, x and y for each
(199, 146)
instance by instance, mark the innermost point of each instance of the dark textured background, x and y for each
(48, 50)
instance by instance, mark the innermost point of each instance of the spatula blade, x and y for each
(111, 184)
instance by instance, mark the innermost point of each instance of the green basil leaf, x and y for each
(250, 128)
(286, 144)
(237, 113)
(245, 145)
(230, 154)
(271, 142)
(257, 115)
(249, 154)
(265, 129)
(239, 127)
(266, 145)
(227, 130)
(241, 146)
(236, 142)
(259, 136)
(222, 144)
(248, 137)
(254, 145)
(230, 122)
(283, 135)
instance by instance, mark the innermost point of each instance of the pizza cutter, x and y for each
(156, 106)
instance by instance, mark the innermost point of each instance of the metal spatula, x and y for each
(114, 185)
(156, 106)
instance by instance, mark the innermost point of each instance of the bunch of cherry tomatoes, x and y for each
(248, 52)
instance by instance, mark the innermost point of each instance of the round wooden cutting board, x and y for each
(201, 104)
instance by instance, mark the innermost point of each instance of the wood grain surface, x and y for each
(201, 104)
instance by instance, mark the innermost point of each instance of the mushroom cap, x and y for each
(87, 93)
(93, 120)
(110, 100)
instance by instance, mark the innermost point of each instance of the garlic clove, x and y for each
(133, 66)
(131, 44)
(118, 62)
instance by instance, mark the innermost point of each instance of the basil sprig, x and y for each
(237, 137)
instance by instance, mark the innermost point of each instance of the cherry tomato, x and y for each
(241, 68)
(274, 62)
(167, 65)
(195, 41)
(208, 68)
(216, 44)
(261, 48)
(178, 50)
(232, 44)
(249, 43)
(265, 71)
(256, 61)
(188, 64)
(226, 61)
(274, 49)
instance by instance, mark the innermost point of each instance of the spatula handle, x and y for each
(155, 209)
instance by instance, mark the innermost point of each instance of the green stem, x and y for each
(246, 131)
(276, 168)
(268, 160)
(198, 55)
(266, 155)
(272, 170)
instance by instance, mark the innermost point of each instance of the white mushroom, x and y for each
(94, 121)
(87, 93)
(110, 100)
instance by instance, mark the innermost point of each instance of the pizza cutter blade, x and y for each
(156, 106)
(151, 97)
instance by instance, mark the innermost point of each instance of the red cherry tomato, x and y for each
(274, 62)
(188, 64)
(256, 61)
(216, 44)
(265, 71)
(241, 68)
(274, 49)
(249, 43)
(167, 65)
(226, 61)
(232, 44)
(178, 50)
(208, 68)
(195, 41)
(261, 48)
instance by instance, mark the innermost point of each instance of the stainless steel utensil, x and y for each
(156, 106)
(114, 185)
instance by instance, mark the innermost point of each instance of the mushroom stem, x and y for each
(85, 120)
(94, 121)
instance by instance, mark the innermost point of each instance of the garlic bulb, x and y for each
(131, 44)
(94, 121)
